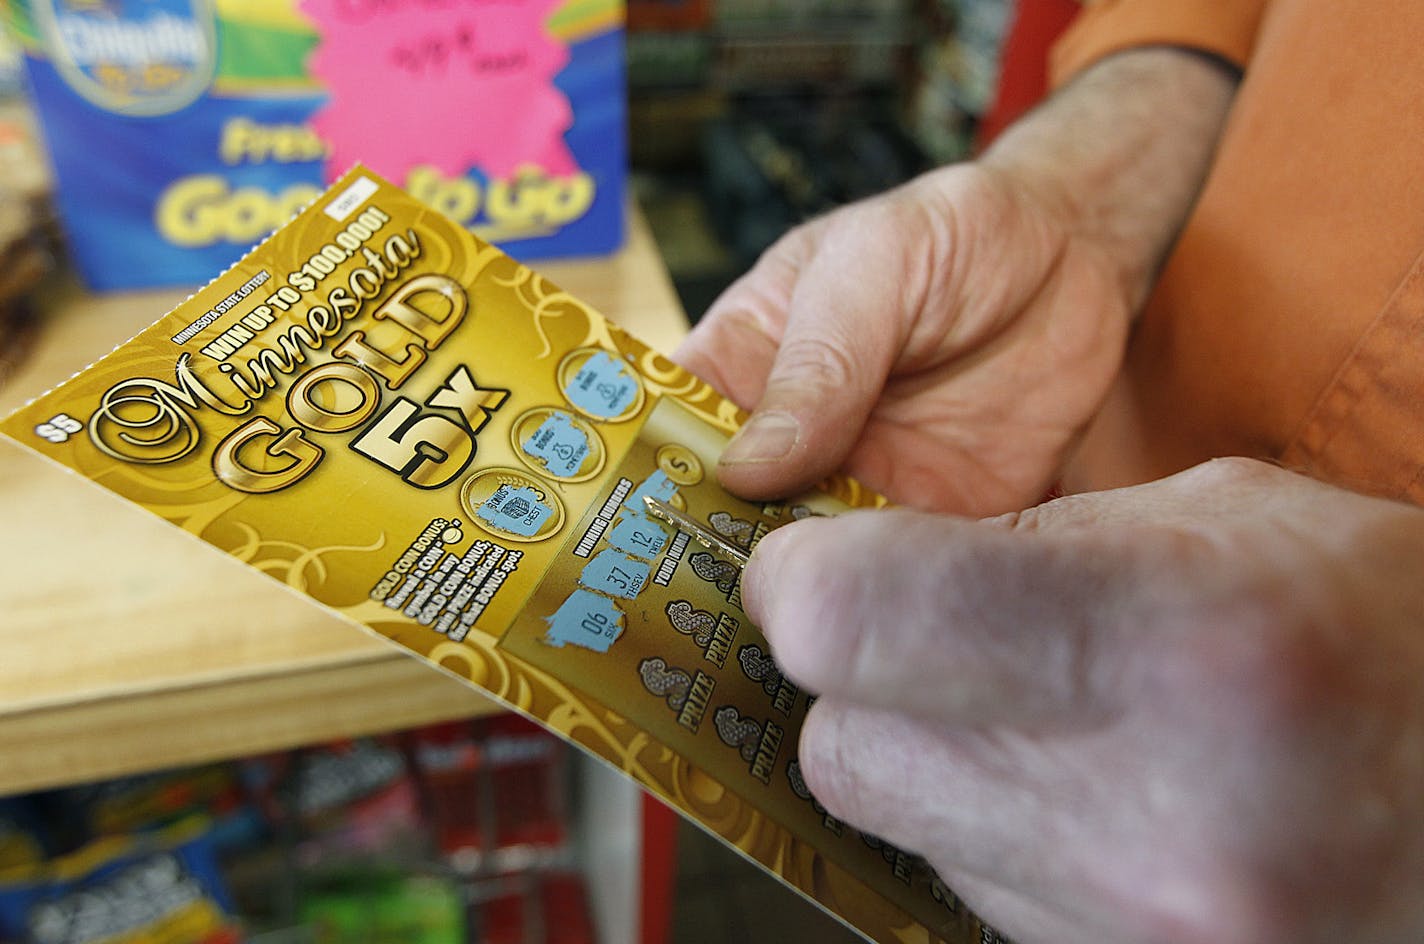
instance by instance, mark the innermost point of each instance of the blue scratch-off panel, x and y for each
(657, 485)
(616, 574)
(515, 508)
(638, 535)
(604, 387)
(585, 619)
(559, 444)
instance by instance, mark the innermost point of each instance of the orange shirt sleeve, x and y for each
(1226, 28)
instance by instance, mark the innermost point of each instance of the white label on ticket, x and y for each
(350, 198)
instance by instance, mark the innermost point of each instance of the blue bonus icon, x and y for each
(515, 509)
(559, 444)
(604, 387)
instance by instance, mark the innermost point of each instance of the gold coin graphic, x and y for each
(558, 444)
(601, 385)
(511, 505)
(679, 463)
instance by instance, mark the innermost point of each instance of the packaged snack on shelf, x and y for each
(450, 768)
(380, 906)
(183, 131)
(527, 783)
(28, 238)
(494, 791)
(152, 801)
(355, 800)
(397, 420)
(155, 887)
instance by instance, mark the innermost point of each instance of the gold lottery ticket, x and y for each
(397, 420)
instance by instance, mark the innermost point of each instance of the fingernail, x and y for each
(767, 437)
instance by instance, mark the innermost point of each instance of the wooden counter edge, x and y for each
(226, 718)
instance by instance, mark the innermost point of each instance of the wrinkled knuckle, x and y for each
(1233, 471)
(870, 230)
(867, 220)
(1026, 520)
(814, 367)
(737, 310)
(1060, 512)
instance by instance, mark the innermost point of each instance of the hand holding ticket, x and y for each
(412, 429)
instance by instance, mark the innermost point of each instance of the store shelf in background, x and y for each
(355, 841)
(125, 645)
(813, 18)
(776, 161)
(662, 61)
(760, 64)
(669, 15)
(666, 130)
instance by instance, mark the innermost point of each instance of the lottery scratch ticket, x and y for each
(402, 423)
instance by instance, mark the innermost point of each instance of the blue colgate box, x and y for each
(183, 131)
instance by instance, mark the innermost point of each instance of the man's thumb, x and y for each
(810, 416)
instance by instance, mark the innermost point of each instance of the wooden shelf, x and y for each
(126, 645)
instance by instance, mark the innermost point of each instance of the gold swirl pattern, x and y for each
(196, 517)
(195, 485)
(524, 282)
(446, 249)
(664, 376)
(571, 713)
(297, 570)
(559, 304)
(549, 305)
(479, 663)
(524, 287)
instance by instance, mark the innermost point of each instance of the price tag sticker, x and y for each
(453, 86)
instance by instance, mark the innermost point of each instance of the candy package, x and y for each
(377, 907)
(157, 888)
(153, 801)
